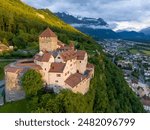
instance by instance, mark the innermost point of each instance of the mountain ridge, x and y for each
(146, 31)
(81, 20)
(103, 30)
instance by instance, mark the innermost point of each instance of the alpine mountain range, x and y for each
(100, 29)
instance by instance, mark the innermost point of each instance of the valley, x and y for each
(134, 60)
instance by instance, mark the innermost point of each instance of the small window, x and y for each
(58, 57)
(58, 75)
(80, 61)
(56, 81)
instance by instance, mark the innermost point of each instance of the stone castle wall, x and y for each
(13, 89)
(48, 43)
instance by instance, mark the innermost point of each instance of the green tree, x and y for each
(5, 42)
(19, 42)
(32, 82)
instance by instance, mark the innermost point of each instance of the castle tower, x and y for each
(48, 40)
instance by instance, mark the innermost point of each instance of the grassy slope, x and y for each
(17, 8)
(15, 107)
(31, 13)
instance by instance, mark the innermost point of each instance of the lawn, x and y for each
(146, 52)
(2, 65)
(122, 49)
(134, 51)
(15, 107)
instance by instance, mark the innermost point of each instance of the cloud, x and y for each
(131, 26)
(124, 13)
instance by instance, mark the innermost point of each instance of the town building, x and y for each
(61, 67)
(146, 104)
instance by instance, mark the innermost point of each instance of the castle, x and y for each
(61, 67)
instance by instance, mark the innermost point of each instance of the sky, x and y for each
(120, 14)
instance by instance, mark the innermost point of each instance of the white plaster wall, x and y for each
(59, 59)
(13, 90)
(82, 87)
(55, 80)
(11, 81)
(82, 66)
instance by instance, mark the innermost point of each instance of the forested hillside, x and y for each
(20, 25)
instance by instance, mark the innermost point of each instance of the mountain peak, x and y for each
(86, 21)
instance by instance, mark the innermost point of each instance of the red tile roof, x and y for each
(61, 44)
(74, 79)
(89, 65)
(57, 67)
(13, 69)
(37, 57)
(44, 58)
(71, 44)
(64, 48)
(146, 102)
(29, 64)
(36, 67)
(68, 55)
(48, 33)
(80, 55)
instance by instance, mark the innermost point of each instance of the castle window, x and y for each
(80, 61)
(56, 81)
(58, 57)
(58, 75)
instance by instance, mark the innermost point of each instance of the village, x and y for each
(134, 60)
